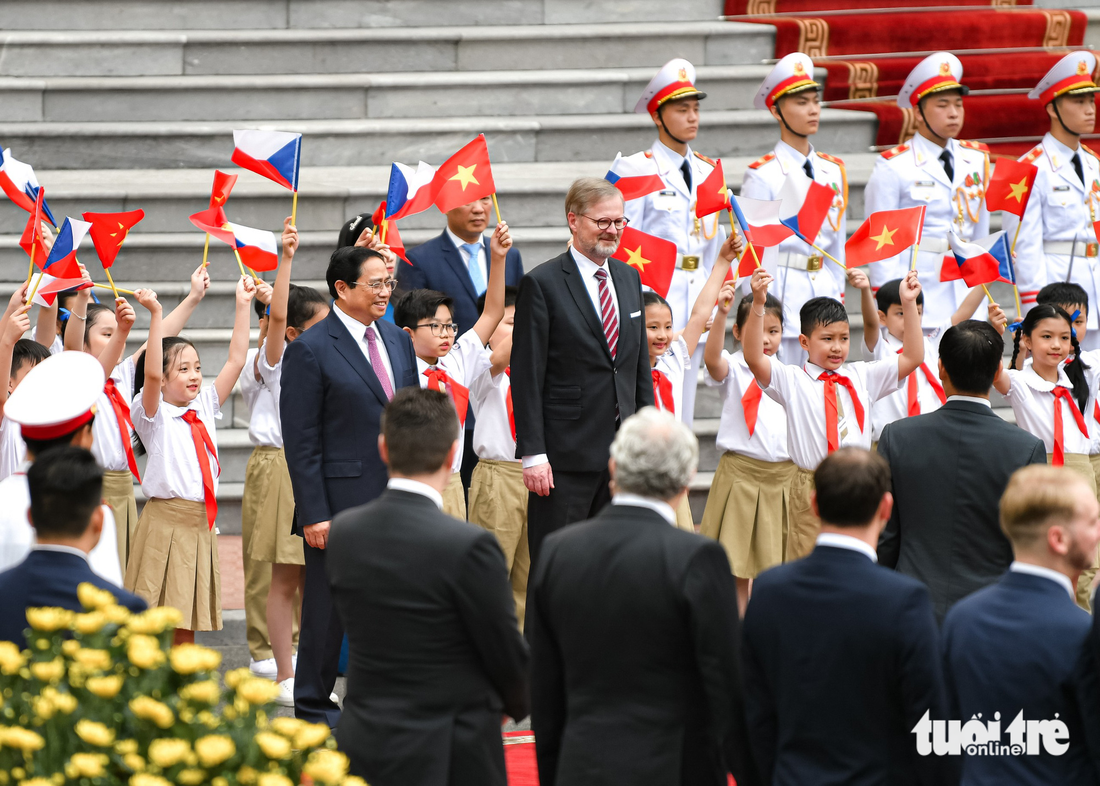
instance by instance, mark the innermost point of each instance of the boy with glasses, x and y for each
(446, 364)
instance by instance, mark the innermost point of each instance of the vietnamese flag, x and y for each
(219, 192)
(393, 237)
(464, 177)
(883, 235)
(213, 221)
(654, 258)
(712, 195)
(32, 233)
(109, 230)
(1010, 186)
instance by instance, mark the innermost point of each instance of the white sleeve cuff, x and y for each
(534, 461)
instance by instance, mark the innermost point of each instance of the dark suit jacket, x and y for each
(1012, 647)
(435, 653)
(438, 265)
(635, 679)
(564, 383)
(841, 661)
(331, 402)
(950, 468)
(49, 578)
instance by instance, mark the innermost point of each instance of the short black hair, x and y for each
(38, 447)
(889, 294)
(66, 486)
(260, 307)
(27, 351)
(301, 304)
(771, 306)
(1063, 293)
(418, 304)
(850, 484)
(820, 312)
(971, 353)
(510, 295)
(346, 264)
(420, 426)
(94, 312)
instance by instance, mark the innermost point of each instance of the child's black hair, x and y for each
(510, 294)
(352, 229)
(771, 306)
(1063, 293)
(651, 298)
(889, 294)
(27, 351)
(301, 304)
(421, 304)
(260, 307)
(1075, 370)
(820, 312)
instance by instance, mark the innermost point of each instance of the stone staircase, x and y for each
(132, 105)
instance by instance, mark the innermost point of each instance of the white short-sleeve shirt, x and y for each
(264, 428)
(172, 470)
(802, 394)
(769, 438)
(896, 406)
(675, 364)
(107, 446)
(493, 438)
(12, 447)
(1032, 401)
(467, 360)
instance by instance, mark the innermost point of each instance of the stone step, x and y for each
(355, 96)
(281, 14)
(339, 143)
(357, 51)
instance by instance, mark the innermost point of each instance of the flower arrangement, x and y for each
(101, 699)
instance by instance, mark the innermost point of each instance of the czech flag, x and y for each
(256, 247)
(465, 177)
(32, 233)
(49, 287)
(219, 192)
(760, 220)
(61, 262)
(979, 262)
(411, 190)
(109, 230)
(18, 181)
(712, 195)
(393, 237)
(213, 221)
(636, 176)
(1010, 186)
(805, 204)
(276, 155)
(653, 257)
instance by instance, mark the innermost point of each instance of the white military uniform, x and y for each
(670, 212)
(1057, 241)
(913, 175)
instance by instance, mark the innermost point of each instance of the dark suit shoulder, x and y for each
(991, 425)
(864, 576)
(551, 269)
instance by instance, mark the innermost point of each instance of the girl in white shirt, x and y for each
(747, 506)
(174, 561)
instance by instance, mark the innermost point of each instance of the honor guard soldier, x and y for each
(791, 95)
(1056, 240)
(672, 100)
(936, 171)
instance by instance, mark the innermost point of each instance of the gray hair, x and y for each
(655, 455)
(587, 191)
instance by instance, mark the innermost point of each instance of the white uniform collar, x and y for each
(638, 501)
(673, 158)
(838, 541)
(972, 400)
(817, 371)
(1046, 573)
(416, 487)
(789, 158)
(1058, 154)
(1030, 378)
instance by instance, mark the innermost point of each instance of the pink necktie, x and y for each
(607, 313)
(377, 364)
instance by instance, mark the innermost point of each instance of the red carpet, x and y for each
(737, 7)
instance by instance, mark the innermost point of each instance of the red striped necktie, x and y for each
(125, 424)
(203, 443)
(607, 313)
(1063, 394)
(662, 392)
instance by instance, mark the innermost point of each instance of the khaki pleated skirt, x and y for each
(1085, 467)
(454, 498)
(118, 493)
(267, 509)
(748, 510)
(1094, 461)
(684, 520)
(174, 562)
(805, 525)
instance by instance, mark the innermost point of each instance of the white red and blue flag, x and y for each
(18, 181)
(411, 190)
(276, 155)
(635, 175)
(61, 262)
(979, 262)
(256, 247)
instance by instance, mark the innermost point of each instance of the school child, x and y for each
(18, 356)
(827, 403)
(174, 561)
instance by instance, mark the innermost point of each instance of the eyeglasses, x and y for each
(374, 286)
(440, 329)
(605, 223)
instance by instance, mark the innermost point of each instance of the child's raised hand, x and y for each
(366, 237)
(290, 237)
(200, 282)
(761, 280)
(86, 278)
(858, 279)
(148, 300)
(733, 247)
(910, 287)
(502, 239)
(47, 238)
(124, 314)
(17, 298)
(246, 290)
(997, 318)
(18, 323)
(726, 296)
(263, 291)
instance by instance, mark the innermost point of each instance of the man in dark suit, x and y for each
(841, 657)
(435, 654)
(634, 628)
(1014, 647)
(337, 377)
(949, 469)
(66, 488)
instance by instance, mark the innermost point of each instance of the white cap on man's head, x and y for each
(793, 74)
(934, 74)
(57, 396)
(1072, 74)
(675, 81)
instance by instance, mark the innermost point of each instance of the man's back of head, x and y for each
(66, 488)
(970, 358)
(419, 430)
(851, 485)
(654, 455)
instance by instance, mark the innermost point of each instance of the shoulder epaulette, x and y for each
(761, 161)
(835, 159)
(1090, 152)
(982, 146)
(1032, 154)
(895, 151)
(710, 161)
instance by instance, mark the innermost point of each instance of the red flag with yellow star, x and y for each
(464, 177)
(109, 230)
(884, 234)
(654, 258)
(219, 192)
(393, 237)
(712, 195)
(1010, 186)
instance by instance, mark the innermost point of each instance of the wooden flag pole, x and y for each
(30, 297)
(916, 248)
(294, 209)
(748, 243)
(496, 207)
(113, 288)
(30, 271)
(111, 281)
(205, 251)
(385, 224)
(1016, 236)
(827, 255)
(240, 264)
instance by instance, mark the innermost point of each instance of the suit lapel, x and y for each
(393, 341)
(577, 289)
(349, 348)
(622, 285)
(454, 259)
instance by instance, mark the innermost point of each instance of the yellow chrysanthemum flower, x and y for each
(87, 624)
(191, 777)
(257, 691)
(150, 709)
(205, 692)
(220, 781)
(93, 660)
(70, 647)
(246, 775)
(155, 620)
(236, 676)
(144, 779)
(214, 749)
(327, 767)
(272, 745)
(11, 659)
(37, 782)
(116, 615)
(22, 739)
(133, 762)
(193, 658)
(104, 687)
(288, 727)
(49, 619)
(354, 780)
(168, 752)
(86, 765)
(144, 652)
(49, 670)
(123, 747)
(273, 779)
(92, 597)
(311, 735)
(94, 733)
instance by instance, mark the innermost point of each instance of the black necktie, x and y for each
(1077, 167)
(808, 168)
(685, 170)
(948, 167)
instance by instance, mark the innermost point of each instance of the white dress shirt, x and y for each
(838, 541)
(493, 439)
(264, 428)
(172, 470)
(896, 406)
(12, 447)
(107, 445)
(359, 332)
(467, 360)
(769, 438)
(1032, 401)
(638, 501)
(1046, 573)
(674, 364)
(471, 260)
(416, 487)
(971, 399)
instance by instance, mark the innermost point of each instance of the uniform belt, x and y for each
(810, 264)
(689, 262)
(1068, 247)
(934, 245)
